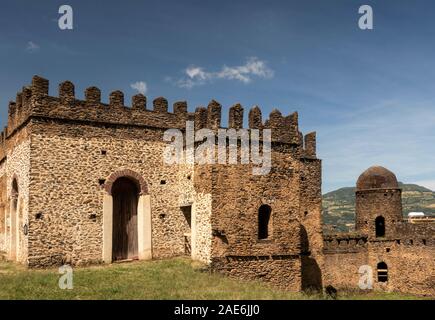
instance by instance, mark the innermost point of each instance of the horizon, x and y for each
(367, 94)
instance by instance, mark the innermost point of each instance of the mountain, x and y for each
(339, 205)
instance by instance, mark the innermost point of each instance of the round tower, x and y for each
(378, 202)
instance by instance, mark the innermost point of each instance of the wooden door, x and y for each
(125, 230)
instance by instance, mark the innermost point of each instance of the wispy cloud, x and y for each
(140, 86)
(430, 184)
(396, 134)
(32, 46)
(254, 67)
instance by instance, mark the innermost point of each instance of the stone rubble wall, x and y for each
(68, 166)
(3, 205)
(18, 167)
(202, 212)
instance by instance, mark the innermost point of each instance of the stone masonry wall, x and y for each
(69, 165)
(370, 204)
(310, 216)
(202, 213)
(3, 204)
(344, 254)
(18, 167)
(237, 195)
(411, 267)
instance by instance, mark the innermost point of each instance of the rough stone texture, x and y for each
(17, 167)
(202, 212)
(3, 204)
(407, 249)
(66, 210)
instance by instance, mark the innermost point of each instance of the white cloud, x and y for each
(398, 135)
(430, 184)
(253, 67)
(140, 86)
(32, 46)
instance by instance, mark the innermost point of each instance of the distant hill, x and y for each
(339, 205)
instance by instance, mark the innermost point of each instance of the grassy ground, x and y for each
(160, 279)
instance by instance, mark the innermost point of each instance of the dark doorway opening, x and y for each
(264, 221)
(125, 195)
(380, 226)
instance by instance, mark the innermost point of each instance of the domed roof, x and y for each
(377, 177)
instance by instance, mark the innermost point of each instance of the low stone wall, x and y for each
(283, 271)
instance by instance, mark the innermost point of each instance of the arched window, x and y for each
(264, 213)
(380, 226)
(382, 272)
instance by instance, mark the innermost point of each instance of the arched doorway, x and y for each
(380, 226)
(125, 194)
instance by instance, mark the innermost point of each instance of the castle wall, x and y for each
(410, 266)
(18, 167)
(237, 196)
(344, 254)
(3, 205)
(370, 204)
(201, 228)
(68, 173)
(409, 259)
(311, 223)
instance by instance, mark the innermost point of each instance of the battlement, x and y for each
(344, 243)
(34, 101)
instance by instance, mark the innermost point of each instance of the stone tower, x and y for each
(378, 202)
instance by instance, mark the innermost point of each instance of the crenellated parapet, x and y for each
(34, 101)
(310, 145)
(344, 243)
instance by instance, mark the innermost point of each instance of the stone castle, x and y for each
(83, 182)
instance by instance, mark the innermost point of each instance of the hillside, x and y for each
(339, 205)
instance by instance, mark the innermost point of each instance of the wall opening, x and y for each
(382, 272)
(187, 213)
(380, 226)
(125, 195)
(14, 232)
(264, 215)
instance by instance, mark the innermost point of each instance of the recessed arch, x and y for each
(127, 198)
(127, 173)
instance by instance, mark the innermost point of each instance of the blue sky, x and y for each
(370, 95)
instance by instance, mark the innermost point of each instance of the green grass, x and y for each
(177, 278)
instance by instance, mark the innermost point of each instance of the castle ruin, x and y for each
(83, 182)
